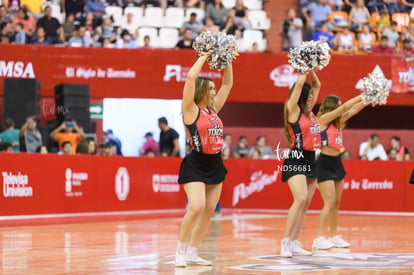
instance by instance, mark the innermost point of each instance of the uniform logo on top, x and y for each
(73, 182)
(165, 183)
(16, 185)
(217, 130)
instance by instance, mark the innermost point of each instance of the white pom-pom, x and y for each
(310, 55)
(376, 89)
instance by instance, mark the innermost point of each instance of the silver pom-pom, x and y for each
(310, 55)
(376, 89)
(222, 46)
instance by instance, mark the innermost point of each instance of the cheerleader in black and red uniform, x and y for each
(332, 116)
(202, 171)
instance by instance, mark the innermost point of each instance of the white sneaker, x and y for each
(194, 259)
(285, 248)
(339, 242)
(322, 243)
(180, 259)
(297, 250)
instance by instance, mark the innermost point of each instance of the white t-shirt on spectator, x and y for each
(393, 37)
(373, 153)
(131, 28)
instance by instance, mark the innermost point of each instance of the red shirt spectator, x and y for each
(383, 47)
(150, 144)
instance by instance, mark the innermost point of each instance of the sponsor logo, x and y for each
(16, 185)
(366, 184)
(87, 73)
(377, 69)
(217, 130)
(122, 184)
(258, 181)
(16, 69)
(332, 261)
(165, 183)
(179, 73)
(283, 76)
(74, 181)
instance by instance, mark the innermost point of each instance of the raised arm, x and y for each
(224, 91)
(58, 129)
(316, 86)
(292, 103)
(79, 130)
(353, 111)
(325, 119)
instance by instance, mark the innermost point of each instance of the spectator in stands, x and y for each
(105, 149)
(406, 34)
(317, 14)
(226, 153)
(254, 48)
(114, 141)
(66, 149)
(292, 30)
(40, 37)
(240, 14)
(30, 135)
(392, 154)
(392, 6)
(107, 30)
(337, 4)
(359, 16)
(4, 15)
(149, 153)
(150, 143)
(230, 27)
(192, 24)
(241, 150)
(392, 34)
(239, 40)
(147, 43)
(168, 139)
(407, 47)
(68, 131)
(116, 3)
(68, 28)
(131, 3)
(82, 148)
(383, 22)
(325, 35)
(130, 24)
(264, 150)
(372, 149)
(29, 23)
(51, 25)
(171, 3)
(90, 24)
(218, 12)
(187, 41)
(126, 41)
(346, 41)
(20, 35)
(97, 7)
(150, 3)
(401, 151)
(210, 25)
(366, 39)
(227, 140)
(10, 134)
(376, 5)
(6, 147)
(407, 5)
(42, 149)
(383, 47)
(74, 7)
(5, 33)
(35, 7)
(201, 4)
(107, 44)
(255, 154)
(80, 39)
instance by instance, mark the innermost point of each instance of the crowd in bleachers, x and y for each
(131, 23)
(352, 26)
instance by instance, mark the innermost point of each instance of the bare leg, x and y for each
(311, 185)
(333, 221)
(327, 189)
(298, 187)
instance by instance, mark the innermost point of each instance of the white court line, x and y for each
(244, 211)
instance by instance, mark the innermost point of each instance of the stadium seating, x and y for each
(174, 17)
(151, 32)
(258, 19)
(154, 17)
(116, 13)
(167, 38)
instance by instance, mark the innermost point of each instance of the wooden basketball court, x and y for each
(238, 242)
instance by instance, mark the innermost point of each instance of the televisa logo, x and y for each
(74, 179)
(258, 181)
(16, 69)
(16, 185)
(165, 183)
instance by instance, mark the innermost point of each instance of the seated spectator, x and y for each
(201, 4)
(392, 34)
(130, 3)
(226, 153)
(6, 34)
(406, 34)
(227, 140)
(68, 131)
(392, 154)
(383, 47)
(91, 147)
(20, 35)
(187, 41)
(401, 151)
(66, 149)
(107, 30)
(292, 30)
(95, 42)
(30, 135)
(74, 7)
(241, 150)
(254, 48)
(217, 12)
(35, 7)
(126, 41)
(239, 40)
(10, 134)
(29, 23)
(5, 16)
(376, 5)
(255, 154)
(51, 25)
(372, 149)
(107, 44)
(79, 39)
(147, 43)
(40, 37)
(105, 149)
(240, 15)
(346, 41)
(325, 35)
(359, 16)
(6, 147)
(210, 26)
(392, 6)
(114, 141)
(82, 148)
(90, 24)
(149, 153)
(337, 4)
(130, 24)
(383, 22)
(230, 27)
(407, 47)
(150, 143)
(165, 153)
(97, 7)
(68, 28)
(42, 149)
(366, 39)
(407, 5)
(192, 24)
(317, 14)
(265, 151)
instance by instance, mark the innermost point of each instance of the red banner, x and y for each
(259, 77)
(77, 184)
(402, 74)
